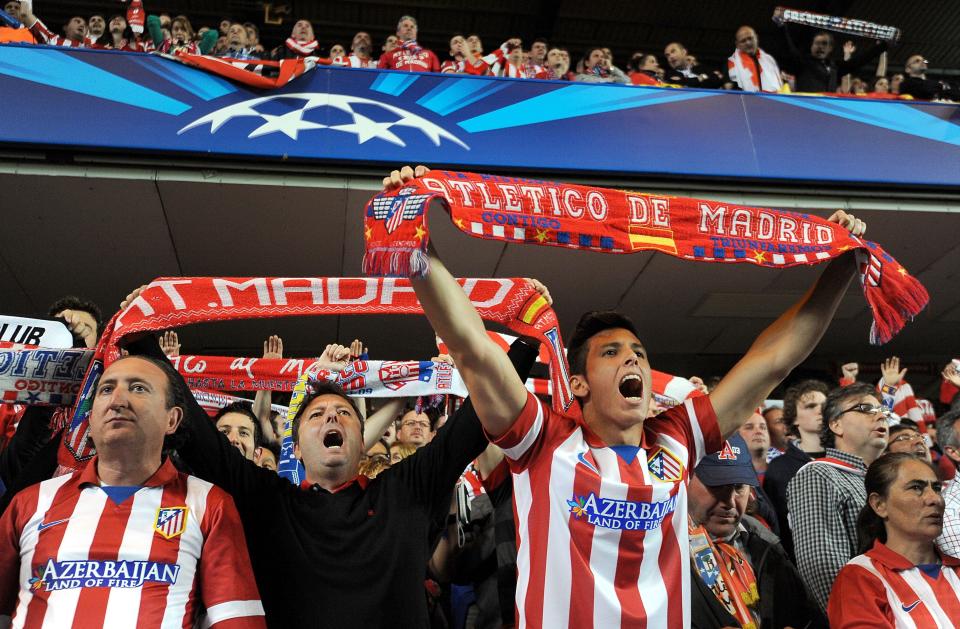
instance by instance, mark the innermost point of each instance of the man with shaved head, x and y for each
(752, 69)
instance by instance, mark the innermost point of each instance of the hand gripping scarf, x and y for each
(527, 211)
(174, 302)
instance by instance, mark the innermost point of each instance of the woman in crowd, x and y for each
(901, 579)
(181, 37)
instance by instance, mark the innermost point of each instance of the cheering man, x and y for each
(601, 503)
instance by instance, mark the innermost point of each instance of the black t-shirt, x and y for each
(352, 558)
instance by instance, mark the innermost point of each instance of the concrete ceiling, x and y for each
(100, 237)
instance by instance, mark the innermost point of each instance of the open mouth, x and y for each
(631, 387)
(333, 439)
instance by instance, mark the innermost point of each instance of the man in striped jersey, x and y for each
(127, 541)
(601, 503)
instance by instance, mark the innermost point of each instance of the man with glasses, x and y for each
(948, 436)
(825, 497)
(416, 428)
(906, 437)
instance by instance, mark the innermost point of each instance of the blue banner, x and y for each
(137, 102)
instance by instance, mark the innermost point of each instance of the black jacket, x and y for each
(784, 599)
(823, 75)
(780, 472)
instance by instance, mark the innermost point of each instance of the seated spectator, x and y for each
(409, 55)
(825, 497)
(685, 71)
(750, 67)
(906, 437)
(129, 492)
(74, 31)
(301, 43)
(917, 84)
(901, 578)
(240, 426)
(595, 67)
(237, 45)
(803, 416)
(181, 37)
(741, 575)
(948, 436)
(558, 65)
(644, 69)
(12, 32)
(757, 439)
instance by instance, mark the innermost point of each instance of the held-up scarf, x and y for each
(302, 48)
(174, 302)
(528, 211)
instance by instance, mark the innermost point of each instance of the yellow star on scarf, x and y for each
(902, 271)
(541, 235)
(367, 232)
(845, 247)
(459, 223)
(421, 232)
(759, 257)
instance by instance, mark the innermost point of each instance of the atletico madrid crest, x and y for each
(665, 466)
(171, 521)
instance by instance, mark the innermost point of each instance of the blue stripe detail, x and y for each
(455, 94)
(393, 83)
(575, 101)
(903, 119)
(53, 68)
(201, 84)
(699, 252)
(718, 253)
(584, 240)
(563, 238)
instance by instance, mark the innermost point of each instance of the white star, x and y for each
(218, 118)
(289, 124)
(366, 129)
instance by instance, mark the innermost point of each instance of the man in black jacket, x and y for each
(816, 71)
(732, 554)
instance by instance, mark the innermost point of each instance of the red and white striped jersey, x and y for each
(45, 36)
(353, 61)
(603, 542)
(72, 557)
(881, 588)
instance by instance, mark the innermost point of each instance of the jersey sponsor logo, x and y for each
(66, 575)
(625, 515)
(665, 466)
(590, 466)
(909, 608)
(171, 521)
(45, 525)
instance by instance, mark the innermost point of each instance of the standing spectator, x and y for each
(816, 71)
(757, 441)
(181, 36)
(881, 85)
(538, 51)
(337, 51)
(20, 33)
(778, 430)
(389, 45)
(74, 31)
(900, 579)
(129, 504)
(895, 82)
(237, 45)
(96, 27)
(803, 415)
(507, 60)
(917, 84)
(475, 44)
(644, 69)
(825, 497)
(120, 37)
(361, 51)
(684, 71)
(906, 437)
(558, 65)
(595, 67)
(459, 53)
(253, 39)
(739, 572)
(239, 425)
(751, 68)
(301, 42)
(948, 436)
(415, 429)
(409, 55)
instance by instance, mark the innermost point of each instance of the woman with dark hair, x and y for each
(901, 579)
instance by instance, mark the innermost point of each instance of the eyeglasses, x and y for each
(868, 409)
(908, 437)
(411, 423)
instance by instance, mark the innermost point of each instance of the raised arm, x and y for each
(376, 424)
(272, 348)
(497, 392)
(787, 342)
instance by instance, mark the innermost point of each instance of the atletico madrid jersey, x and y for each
(74, 554)
(602, 535)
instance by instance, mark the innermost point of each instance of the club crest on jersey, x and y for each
(665, 466)
(626, 515)
(171, 521)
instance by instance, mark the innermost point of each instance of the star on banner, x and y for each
(541, 235)
(902, 271)
(459, 223)
(367, 233)
(845, 247)
(759, 257)
(421, 232)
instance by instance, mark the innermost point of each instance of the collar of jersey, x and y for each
(164, 475)
(595, 441)
(881, 553)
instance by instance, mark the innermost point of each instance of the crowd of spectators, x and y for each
(826, 67)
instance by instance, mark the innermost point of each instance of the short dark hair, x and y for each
(175, 394)
(71, 302)
(243, 408)
(834, 406)
(880, 476)
(540, 40)
(792, 398)
(591, 324)
(318, 388)
(947, 434)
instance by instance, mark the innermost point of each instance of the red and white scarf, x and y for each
(527, 211)
(743, 71)
(302, 48)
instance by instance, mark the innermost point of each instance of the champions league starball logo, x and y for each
(289, 114)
